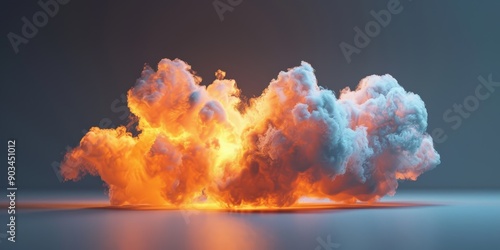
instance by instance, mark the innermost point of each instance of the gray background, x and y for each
(67, 76)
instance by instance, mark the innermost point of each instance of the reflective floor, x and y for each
(409, 220)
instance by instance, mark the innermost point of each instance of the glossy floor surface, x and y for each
(409, 220)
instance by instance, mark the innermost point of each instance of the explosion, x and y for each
(203, 145)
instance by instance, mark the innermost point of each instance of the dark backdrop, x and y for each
(67, 77)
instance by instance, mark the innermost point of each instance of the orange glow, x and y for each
(296, 208)
(201, 147)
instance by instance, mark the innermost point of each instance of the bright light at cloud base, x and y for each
(204, 145)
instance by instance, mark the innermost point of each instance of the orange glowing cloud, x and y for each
(202, 146)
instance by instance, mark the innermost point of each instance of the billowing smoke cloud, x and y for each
(203, 144)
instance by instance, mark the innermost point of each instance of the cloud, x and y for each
(296, 139)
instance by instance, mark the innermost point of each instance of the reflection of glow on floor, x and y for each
(402, 199)
(296, 208)
(454, 220)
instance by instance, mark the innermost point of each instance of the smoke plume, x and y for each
(203, 144)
